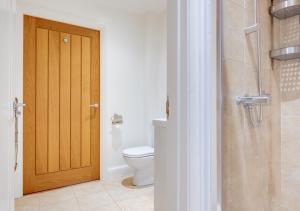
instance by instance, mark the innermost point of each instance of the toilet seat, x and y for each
(138, 152)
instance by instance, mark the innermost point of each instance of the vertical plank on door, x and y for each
(29, 119)
(86, 69)
(65, 102)
(75, 101)
(53, 135)
(41, 101)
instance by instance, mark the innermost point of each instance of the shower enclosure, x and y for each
(261, 105)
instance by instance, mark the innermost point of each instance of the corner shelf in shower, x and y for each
(286, 53)
(286, 9)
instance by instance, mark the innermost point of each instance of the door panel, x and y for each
(65, 102)
(53, 128)
(76, 101)
(86, 146)
(61, 130)
(41, 101)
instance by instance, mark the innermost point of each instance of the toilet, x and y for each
(141, 159)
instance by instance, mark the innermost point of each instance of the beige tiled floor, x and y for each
(113, 195)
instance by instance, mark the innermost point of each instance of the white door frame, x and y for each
(7, 18)
(193, 68)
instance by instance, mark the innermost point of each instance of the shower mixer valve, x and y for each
(253, 100)
(249, 103)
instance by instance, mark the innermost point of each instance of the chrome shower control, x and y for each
(250, 103)
(253, 100)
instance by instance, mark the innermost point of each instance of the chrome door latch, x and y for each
(17, 113)
(16, 107)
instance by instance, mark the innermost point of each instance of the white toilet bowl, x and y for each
(141, 159)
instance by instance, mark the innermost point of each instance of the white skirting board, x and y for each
(118, 171)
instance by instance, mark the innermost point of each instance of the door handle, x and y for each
(21, 105)
(96, 105)
(17, 105)
(17, 113)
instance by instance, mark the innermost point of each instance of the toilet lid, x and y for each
(137, 152)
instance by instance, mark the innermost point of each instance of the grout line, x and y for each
(48, 98)
(39, 202)
(77, 201)
(291, 116)
(115, 201)
(59, 104)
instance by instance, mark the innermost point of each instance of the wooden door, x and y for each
(61, 82)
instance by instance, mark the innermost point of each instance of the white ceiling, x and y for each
(136, 6)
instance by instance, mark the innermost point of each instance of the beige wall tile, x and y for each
(291, 108)
(287, 34)
(233, 31)
(289, 168)
(239, 2)
(251, 156)
(233, 76)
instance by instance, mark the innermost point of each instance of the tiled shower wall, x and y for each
(251, 156)
(289, 35)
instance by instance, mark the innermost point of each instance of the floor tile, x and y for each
(29, 200)
(110, 207)
(88, 188)
(113, 195)
(118, 192)
(95, 200)
(27, 208)
(66, 205)
(148, 193)
(137, 204)
(57, 195)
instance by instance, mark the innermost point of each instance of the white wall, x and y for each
(155, 74)
(133, 65)
(6, 114)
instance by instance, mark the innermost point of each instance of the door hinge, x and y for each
(168, 107)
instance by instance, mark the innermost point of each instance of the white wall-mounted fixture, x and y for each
(117, 119)
(160, 171)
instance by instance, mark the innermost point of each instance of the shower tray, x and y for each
(286, 53)
(285, 9)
